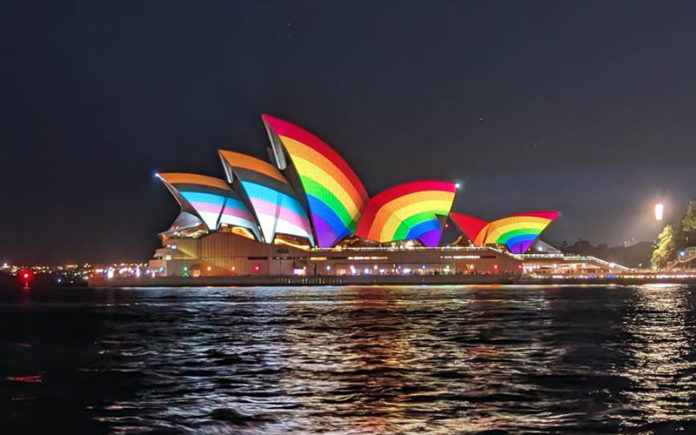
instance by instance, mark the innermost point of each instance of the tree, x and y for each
(688, 222)
(687, 227)
(666, 249)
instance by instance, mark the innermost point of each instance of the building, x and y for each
(226, 253)
(306, 212)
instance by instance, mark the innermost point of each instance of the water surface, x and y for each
(349, 359)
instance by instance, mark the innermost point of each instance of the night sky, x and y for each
(584, 107)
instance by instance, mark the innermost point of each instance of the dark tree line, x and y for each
(674, 238)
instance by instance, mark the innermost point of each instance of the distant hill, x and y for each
(637, 255)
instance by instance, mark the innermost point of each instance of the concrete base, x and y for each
(223, 281)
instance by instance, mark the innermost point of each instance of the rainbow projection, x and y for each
(335, 196)
(517, 232)
(271, 197)
(209, 198)
(408, 211)
(310, 192)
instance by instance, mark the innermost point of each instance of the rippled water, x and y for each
(349, 359)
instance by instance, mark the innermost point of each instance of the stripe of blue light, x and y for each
(327, 214)
(517, 240)
(271, 195)
(417, 230)
(203, 197)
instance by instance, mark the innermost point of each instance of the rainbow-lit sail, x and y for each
(408, 211)
(272, 199)
(209, 198)
(517, 232)
(335, 196)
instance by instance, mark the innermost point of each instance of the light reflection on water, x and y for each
(350, 359)
(660, 349)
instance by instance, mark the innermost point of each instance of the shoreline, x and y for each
(271, 281)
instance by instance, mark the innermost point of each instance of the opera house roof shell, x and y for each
(308, 192)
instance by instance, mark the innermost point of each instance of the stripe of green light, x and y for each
(410, 222)
(319, 191)
(510, 234)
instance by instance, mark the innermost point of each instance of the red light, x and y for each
(256, 268)
(25, 276)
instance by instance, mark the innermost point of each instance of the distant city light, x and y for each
(659, 211)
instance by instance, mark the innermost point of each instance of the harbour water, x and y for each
(349, 359)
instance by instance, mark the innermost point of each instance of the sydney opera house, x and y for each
(306, 212)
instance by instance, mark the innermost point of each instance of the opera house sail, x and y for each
(517, 232)
(272, 199)
(334, 194)
(210, 199)
(409, 211)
